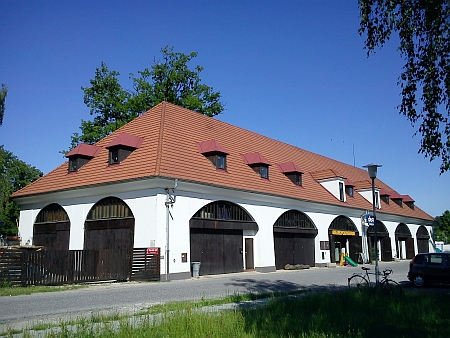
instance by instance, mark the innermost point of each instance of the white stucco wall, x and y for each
(148, 207)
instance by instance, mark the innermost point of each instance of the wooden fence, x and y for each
(54, 267)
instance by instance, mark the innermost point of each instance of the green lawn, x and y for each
(348, 313)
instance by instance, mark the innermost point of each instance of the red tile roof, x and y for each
(126, 140)
(395, 195)
(384, 193)
(289, 167)
(407, 199)
(84, 150)
(211, 146)
(326, 173)
(349, 183)
(255, 158)
(170, 135)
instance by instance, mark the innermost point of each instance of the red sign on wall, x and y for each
(152, 251)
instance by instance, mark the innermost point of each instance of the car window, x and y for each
(435, 259)
(419, 259)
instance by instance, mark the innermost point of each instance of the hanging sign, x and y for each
(370, 219)
(343, 233)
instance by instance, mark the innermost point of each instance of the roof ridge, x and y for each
(160, 139)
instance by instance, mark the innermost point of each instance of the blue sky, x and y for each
(295, 71)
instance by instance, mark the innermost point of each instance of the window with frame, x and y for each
(349, 190)
(73, 165)
(262, 170)
(218, 160)
(295, 177)
(114, 156)
(398, 201)
(377, 199)
(341, 192)
(385, 198)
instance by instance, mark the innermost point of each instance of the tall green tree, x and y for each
(169, 79)
(423, 27)
(442, 227)
(3, 93)
(14, 175)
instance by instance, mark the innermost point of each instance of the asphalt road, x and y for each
(24, 311)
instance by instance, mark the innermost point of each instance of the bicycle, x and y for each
(358, 280)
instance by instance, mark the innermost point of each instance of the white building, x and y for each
(237, 200)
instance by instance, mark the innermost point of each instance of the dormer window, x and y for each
(384, 196)
(215, 153)
(291, 171)
(349, 187)
(408, 201)
(114, 155)
(332, 181)
(397, 198)
(122, 146)
(341, 192)
(258, 163)
(81, 155)
(218, 160)
(349, 190)
(262, 170)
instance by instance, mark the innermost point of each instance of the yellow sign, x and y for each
(343, 233)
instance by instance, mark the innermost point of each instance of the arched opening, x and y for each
(109, 225)
(404, 242)
(52, 228)
(383, 239)
(423, 238)
(344, 238)
(293, 234)
(217, 234)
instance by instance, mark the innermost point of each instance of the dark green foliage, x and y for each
(3, 93)
(14, 175)
(424, 31)
(168, 80)
(442, 227)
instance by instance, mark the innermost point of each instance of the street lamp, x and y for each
(372, 169)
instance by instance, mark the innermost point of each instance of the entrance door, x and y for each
(293, 248)
(386, 249)
(249, 263)
(410, 253)
(218, 250)
(355, 247)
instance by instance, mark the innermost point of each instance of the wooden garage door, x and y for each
(52, 228)
(54, 236)
(218, 250)
(293, 248)
(109, 234)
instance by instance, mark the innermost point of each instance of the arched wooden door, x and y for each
(404, 242)
(293, 235)
(52, 228)
(423, 238)
(383, 238)
(109, 225)
(216, 238)
(342, 231)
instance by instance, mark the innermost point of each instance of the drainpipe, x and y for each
(170, 200)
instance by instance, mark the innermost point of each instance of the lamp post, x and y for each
(372, 169)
